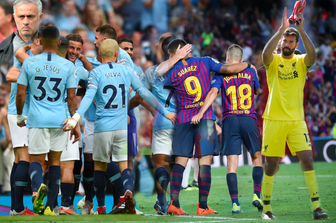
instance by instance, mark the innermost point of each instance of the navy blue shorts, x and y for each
(237, 130)
(202, 135)
(132, 140)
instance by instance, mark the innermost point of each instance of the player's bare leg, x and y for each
(306, 161)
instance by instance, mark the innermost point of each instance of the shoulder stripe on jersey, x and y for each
(184, 62)
(110, 65)
(49, 56)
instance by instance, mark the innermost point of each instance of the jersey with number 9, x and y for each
(190, 80)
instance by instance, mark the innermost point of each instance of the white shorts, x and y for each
(72, 150)
(43, 140)
(19, 135)
(107, 143)
(88, 137)
(162, 141)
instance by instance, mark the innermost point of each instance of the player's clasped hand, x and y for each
(21, 120)
(172, 117)
(196, 119)
(70, 124)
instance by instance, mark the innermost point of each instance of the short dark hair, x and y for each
(75, 37)
(173, 45)
(291, 31)
(7, 7)
(128, 40)
(50, 32)
(64, 43)
(108, 31)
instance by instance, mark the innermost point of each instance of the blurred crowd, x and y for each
(210, 25)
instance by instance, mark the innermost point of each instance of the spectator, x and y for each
(68, 20)
(326, 49)
(97, 19)
(6, 20)
(331, 24)
(117, 22)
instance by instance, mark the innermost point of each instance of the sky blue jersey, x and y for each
(108, 85)
(123, 59)
(47, 77)
(164, 96)
(12, 97)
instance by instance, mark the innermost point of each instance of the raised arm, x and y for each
(310, 57)
(180, 54)
(209, 99)
(12, 74)
(229, 69)
(21, 53)
(267, 54)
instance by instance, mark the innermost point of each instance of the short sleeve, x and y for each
(217, 82)
(72, 78)
(17, 63)
(213, 64)
(256, 80)
(23, 77)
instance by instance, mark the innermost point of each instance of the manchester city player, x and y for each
(108, 85)
(47, 77)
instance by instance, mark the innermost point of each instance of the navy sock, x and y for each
(56, 202)
(204, 184)
(77, 176)
(257, 175)
(100, 187)
(128, 179)
(67, 190)
(175, 183)
(231, 179)
(162, 176)
(21, 180)
(88, 180)
(54, 183)
(34, 187)
(36, 174)
(114, 176)
(12, 184)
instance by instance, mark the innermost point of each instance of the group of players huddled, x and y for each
(43, 110)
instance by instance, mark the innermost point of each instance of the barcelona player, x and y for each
(284, 115)
(190, 81)
(239, 123)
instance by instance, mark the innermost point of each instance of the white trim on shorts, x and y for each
(162, 141)
(88, 137)
(110, 143)
(19, 135)
(44, 140)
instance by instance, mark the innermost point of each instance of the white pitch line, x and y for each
(288, 176)
(206, 217)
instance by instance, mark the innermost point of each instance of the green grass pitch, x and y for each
(290, 201)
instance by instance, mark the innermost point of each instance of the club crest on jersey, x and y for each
(187, 69)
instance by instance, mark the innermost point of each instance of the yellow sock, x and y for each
(267, 188)
(311, 182)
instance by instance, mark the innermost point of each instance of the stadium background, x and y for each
(211, 26)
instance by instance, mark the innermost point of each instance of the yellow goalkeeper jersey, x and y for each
(286, 79)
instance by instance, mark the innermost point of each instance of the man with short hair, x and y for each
(284, 114)
(239, 123)
(47, 77)
(189, 78)
(27, 16)
(108, 85)
(6, 20)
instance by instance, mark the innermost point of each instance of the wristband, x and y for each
(76, 116)
(248, 65)
(20, 118)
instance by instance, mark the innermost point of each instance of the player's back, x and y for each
(238, 93)
(48, 76)
(165, 97)
(113, 83)
(191, 81)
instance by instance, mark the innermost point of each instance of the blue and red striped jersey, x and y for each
(238, 93)
(190, 80)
